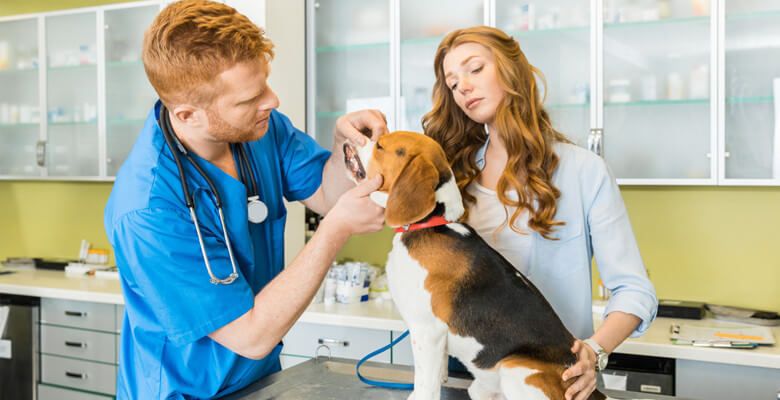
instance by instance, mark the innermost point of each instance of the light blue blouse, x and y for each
(597, 226)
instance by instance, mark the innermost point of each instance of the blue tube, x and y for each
(388, 385)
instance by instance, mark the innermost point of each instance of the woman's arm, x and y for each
(616, 328)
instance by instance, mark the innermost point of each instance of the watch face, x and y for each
(602, 361)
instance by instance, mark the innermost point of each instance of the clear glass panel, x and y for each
(423, 25)
(72, 95)
(657, 90)
(752, 128)
(352, 61)
(555, 37)
(20, 112)
(129, 96)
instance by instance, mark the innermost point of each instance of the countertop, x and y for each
(382, 315)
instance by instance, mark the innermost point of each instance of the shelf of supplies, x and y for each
(747, 100)
(72, 123)
(126, 121)
(550, 31)
(73, 67)
(14, 71)
(329, 114)
(657, 103)
(119, 64)
(753, 15)
(658, 22)
(566, 105)
(348, 47)
(19, 125)
(422, 41)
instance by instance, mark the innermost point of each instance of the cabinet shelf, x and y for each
(657, 22)
(73, 67)
(14, 71)
(126, 121)
(657, 103)
(72, 123)
(348, 47)
(330, 114)
(19, 125)
(750, 100)
(550, 32)
(753, 15)
(121, 64)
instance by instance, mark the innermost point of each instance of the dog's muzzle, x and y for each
(353, 163)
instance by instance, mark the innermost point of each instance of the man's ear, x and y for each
(188, 115)
(413, 195)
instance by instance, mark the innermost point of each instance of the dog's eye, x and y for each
(379, 146)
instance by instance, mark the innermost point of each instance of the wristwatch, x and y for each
(602, 358)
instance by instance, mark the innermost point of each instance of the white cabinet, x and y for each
(75, 94)
(669, 92)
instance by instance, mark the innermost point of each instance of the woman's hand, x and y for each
(584, 371)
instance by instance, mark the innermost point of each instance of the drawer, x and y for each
(120, 317)
(87, 345)
(402, 352)
(77, 374)
(79, 314)
(46, 392)
(312, 340)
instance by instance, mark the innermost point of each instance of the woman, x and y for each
(545, 204)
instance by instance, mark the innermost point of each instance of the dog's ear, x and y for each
(413, 195)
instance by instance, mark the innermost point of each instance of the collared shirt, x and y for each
(171, 306)
(597, 226)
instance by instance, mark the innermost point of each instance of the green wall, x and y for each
(700, 243)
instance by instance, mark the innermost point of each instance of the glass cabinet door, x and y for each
(19, 97)
(351, 61)
(423, 25)
(129, 96)
(71, 80)
(555, 37)
(658, 113)
(752, 90)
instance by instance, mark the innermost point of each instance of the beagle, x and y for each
(456, 294)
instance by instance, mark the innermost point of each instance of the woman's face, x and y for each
(470, 73)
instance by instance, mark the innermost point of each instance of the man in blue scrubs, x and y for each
(182, 336)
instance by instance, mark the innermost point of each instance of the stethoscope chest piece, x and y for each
(257, 211)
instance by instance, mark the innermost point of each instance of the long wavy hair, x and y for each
(521, 122)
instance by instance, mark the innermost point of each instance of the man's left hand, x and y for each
(351, 127)
(584, 371)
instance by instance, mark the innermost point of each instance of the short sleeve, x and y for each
(302, 159)
(617, 253)
(159, 257)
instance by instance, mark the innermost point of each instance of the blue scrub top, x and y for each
(170, 305)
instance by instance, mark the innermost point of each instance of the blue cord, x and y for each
(388, 385)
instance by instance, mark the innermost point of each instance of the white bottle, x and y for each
(699, 85)
(674, 86)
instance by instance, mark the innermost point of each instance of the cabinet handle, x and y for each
(76, 344)
(75, 313)
(75, 375)
(40, 153)
(726, 154)
(596, 141)
(334, 342)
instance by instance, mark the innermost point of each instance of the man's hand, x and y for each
(350, 127)
(355, 212)
(584, 371)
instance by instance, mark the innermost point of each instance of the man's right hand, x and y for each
(355, 213)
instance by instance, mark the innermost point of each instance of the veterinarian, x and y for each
(545, 204)
(196, 215)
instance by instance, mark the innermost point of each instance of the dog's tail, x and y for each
(596, 395)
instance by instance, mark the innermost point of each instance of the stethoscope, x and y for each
(257, 211)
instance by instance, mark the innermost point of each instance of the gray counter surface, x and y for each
(335, 379)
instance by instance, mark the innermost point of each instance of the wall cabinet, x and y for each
(75, 94)
(670, 92)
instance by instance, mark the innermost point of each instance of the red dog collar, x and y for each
(436, 220)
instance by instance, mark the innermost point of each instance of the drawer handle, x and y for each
(75, 375)
(75, 313)
(76, 344)
(334, 342)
